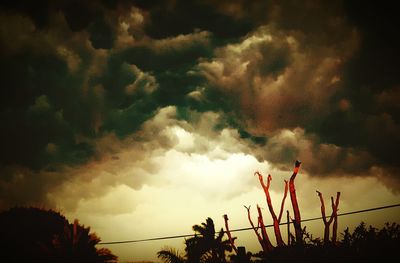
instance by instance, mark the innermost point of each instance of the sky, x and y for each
(143, 118)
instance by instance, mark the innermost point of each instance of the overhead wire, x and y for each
(245, 228)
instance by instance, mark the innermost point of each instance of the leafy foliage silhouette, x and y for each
(206, 246)
(29, 234)
(170, 255)
(362, 245)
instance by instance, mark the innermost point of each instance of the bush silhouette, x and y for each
(38, 235)
(362, 245)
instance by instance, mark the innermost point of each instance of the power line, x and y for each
(245, 228)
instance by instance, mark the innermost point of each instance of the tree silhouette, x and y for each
(333, 217)
(213, 247)
(364, 244)
(263, 238)
(228, 233)
(276, 219)
(297, 218)
(38, 235)
(170, 255)
(205, 246)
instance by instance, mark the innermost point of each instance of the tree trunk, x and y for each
(276, 220)
(293, 198)
(335, 223)
(333, 216)
(264, 245)
(288, 226)
(326, 223)
(228, 232)
(264, 234)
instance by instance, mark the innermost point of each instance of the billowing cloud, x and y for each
(110, 100)
(281, 77)
(281, 81)
(139, 159)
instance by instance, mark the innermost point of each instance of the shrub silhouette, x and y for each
(38, 235)
(362, 245)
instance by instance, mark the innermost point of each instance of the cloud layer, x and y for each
(94, 92)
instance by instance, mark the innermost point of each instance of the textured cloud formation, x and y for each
(135, 161)
(280, 82)
(87, 85)
(292, 74)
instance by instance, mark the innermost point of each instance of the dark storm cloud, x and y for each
(128, 102)
(327, 83)
(80, 14)
(371, 122)
(37, 11)
(81, 104)
(374, 65)
(64, 91)
(101, 34)
(22, 186)
(169, 60)
(74, 72)
(169, 18)
(29, 81)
